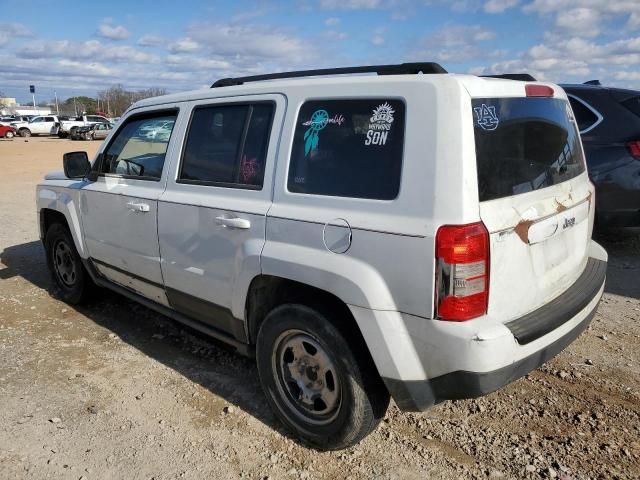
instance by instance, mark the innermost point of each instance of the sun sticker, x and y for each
(380, 125)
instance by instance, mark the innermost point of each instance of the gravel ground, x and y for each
(114, 390)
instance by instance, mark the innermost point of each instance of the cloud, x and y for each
(8, 31)
(113, 32)
(84, 50)
(573, 60)
(579, 21)
(151, 40)
(499, 6)
(332, 21)
(377, 40)
(350, 4)
(184, 45)
(456, 43)
(252, 43)
(13, 29)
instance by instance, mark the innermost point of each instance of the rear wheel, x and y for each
(65, 265)
(24, 132)
(88, 136)
(62, 134)
(325, 394)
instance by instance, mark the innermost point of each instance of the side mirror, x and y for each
(76, 164)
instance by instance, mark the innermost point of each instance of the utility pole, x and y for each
(75, 107)
(32, 89)
(57, 109)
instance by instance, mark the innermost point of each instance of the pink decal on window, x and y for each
(249, 169)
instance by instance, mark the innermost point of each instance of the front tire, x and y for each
(314, 383)
(9, 134)
(66, 266)
(25, 132)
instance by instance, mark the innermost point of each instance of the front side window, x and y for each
(227, 145)
(140, 146)
(348, 148)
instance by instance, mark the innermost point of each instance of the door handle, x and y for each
(138, 207)
(234, 222)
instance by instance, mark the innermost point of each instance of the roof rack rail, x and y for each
(521, 77)
(592, 82)
(400, 69)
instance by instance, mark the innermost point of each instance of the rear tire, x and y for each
(66, 266)
(62, 134)
(25, 132)
(328, 396)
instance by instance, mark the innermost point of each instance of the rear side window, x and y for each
(524, 144)
(585, 118)
(227, 145)
(633, 104)
(348, 148)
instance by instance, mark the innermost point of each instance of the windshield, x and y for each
(524, 144)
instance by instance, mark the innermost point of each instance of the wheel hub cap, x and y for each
(308, 378)
(64, 264)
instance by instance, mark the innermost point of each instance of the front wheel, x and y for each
(319, 389)
(65, 265)
(9, 134)
(62, 134)
(88, 136)
(25, 132)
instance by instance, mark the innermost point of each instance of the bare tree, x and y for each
(115, 100)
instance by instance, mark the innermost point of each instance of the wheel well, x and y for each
(266, 292)
(48, 217)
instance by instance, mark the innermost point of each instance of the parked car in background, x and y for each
(67, 127)
(9, 119)
(355, 249)
(7, 132)
(97, 131)
(41, 125)
(609, 123)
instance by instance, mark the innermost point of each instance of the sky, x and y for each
(79, 48)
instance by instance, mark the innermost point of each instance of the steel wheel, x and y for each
(306, 377)
(64, 264)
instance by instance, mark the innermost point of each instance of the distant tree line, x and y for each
(113, 101)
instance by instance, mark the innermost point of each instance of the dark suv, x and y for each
(609, 123)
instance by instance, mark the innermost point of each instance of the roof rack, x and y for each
(400, 69)
(593, 82)
(521, 77)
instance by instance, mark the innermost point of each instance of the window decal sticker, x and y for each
(380, 125)
(319, 120)
(486, 117)
(249, 168)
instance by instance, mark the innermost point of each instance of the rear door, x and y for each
(535, 199)
(211, 218)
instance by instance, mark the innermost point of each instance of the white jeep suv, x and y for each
(420, 236)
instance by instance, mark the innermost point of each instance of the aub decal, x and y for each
(486, 117)
(380, 125)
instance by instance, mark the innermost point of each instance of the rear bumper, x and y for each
(424, 362)
(420, 395)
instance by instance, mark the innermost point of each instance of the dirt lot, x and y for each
(116, 391)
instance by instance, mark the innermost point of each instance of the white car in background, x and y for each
(41, 125)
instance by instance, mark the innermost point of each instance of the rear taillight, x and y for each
(462, 271)
(634, 149)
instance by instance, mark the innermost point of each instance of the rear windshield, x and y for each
(524, 144)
